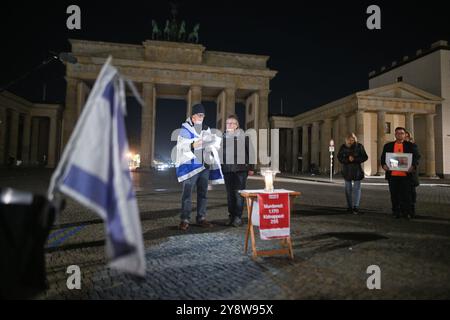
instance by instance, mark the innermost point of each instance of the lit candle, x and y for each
(268, 178)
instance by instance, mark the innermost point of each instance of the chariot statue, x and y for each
(167, 31)
(156, 33)
(182, 32)
(193, 36)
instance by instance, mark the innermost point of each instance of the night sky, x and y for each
(321, 50)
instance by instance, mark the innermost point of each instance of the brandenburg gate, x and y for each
(171, 70)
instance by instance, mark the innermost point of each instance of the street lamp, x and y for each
(331, 149)
(62, 57)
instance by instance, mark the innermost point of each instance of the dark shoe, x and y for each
(183, 226)
(356, 211)
(205, 224)
(237, 222)
(230, 221)
(396, 216)
(349, 210)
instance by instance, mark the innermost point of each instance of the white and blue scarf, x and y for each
(187, 165)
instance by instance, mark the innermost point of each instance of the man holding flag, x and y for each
(94, 170)
(197, 163)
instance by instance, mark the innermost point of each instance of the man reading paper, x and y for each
(400, 181)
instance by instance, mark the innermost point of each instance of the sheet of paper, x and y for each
(398, 161)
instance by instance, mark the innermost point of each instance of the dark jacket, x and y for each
(408, 147)
(352, 170)
(236, 140)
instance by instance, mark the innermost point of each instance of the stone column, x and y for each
(262, 114)
(342, 129)
(305, 150)
(148, 125)
(34, 140)
(381, 120)
(82, 93)
(340, 139)
(70, 114)
(251, 106)
(194, 97)
(360, 126)
(220, 102)
(275, 149)
(409, 123)
(226, 105)
(325, 143)
(26, 139)
(315, 143)
(51, 159)
(335, 135)
(289, 154)
(2, 135)
(13, 134)
(295, 150)
(430, 146)
(263, 109)
(360, 135)
(230, 101)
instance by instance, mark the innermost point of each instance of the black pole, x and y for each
(43, 63)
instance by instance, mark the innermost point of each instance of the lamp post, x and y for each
(63, 57)
(331, 149)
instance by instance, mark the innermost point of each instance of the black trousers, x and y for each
(401, 195)
(235, 181)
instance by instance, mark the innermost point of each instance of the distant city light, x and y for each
(162, 166)
(134, 161)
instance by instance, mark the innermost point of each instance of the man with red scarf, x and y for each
(400, 181)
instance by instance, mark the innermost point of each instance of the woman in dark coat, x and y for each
(236, 167)
(351, 155)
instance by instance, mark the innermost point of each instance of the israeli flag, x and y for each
(94, 171)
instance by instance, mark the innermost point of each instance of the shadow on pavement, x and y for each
(76, 224)
(331, 241)
(145, 216)
(170, 231)
(159, 233)
(430, 218)
(310, 211)
(74, 246)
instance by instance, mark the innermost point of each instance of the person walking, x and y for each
(351, 155)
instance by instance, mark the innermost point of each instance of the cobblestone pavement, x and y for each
(332, 248)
